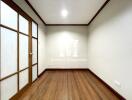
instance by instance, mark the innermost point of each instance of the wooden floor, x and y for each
(68, 85)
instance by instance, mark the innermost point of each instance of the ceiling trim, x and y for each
(67, 24)
(101, 8)
(107, 1)
(35, 11)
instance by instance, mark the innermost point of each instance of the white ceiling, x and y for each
(79, 11)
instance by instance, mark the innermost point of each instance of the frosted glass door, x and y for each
(34, 51)
(14, 50)
(23, 78)
(34, 29)
(8, 87)
(8, 52)
(34, 72)
(8, 16)
(23, 52)
(23, 25)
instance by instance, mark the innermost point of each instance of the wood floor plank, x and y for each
(62, 90)
(68, 85)
(51, 90)
(87, 85)
(73, 91)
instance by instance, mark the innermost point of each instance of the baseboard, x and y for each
(42, 73)
(106, 85)
(66, 69)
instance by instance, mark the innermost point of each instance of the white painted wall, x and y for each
(41, 33)
(66, 46)
(110, 46)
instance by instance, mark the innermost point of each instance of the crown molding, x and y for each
(101, 8)
(67, 24)
(35, 11)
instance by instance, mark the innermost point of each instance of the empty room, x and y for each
(65, 49)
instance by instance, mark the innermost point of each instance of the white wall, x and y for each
(41, 33)
(110, 46)
(66, 46)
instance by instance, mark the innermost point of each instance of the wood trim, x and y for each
(30, 51)
(69, 24)
(34, 37)
(8, 28)
(66, 69)
(34, 64)
(13, 74)
(37, 53)
(23, 69)
(106, 85)
(18, 52)
(66, 24)
(35, 11)
(23, 33)
(8, 76)
(42, 73)
(107, 1)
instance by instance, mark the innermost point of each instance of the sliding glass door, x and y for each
(23, 39)
(9, 52)
(18, 51)
(34, 51)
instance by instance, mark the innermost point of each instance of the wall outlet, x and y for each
(117, 83)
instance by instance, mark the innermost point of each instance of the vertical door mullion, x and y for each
(18, 52)
(30, 51)
(37, 53)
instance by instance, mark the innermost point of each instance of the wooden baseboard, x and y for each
(106, 85)
(42, 73)
(66, 69)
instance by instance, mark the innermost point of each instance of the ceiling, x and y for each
(79, 11)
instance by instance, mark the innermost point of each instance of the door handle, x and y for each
(31, 53)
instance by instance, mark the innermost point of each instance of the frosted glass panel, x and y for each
(23, 25)
(34, 50)
(8, 88)
(8, 52)
(8, 16)
(34, 29)
(23, 54)
(34, 72)
(23, 78)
